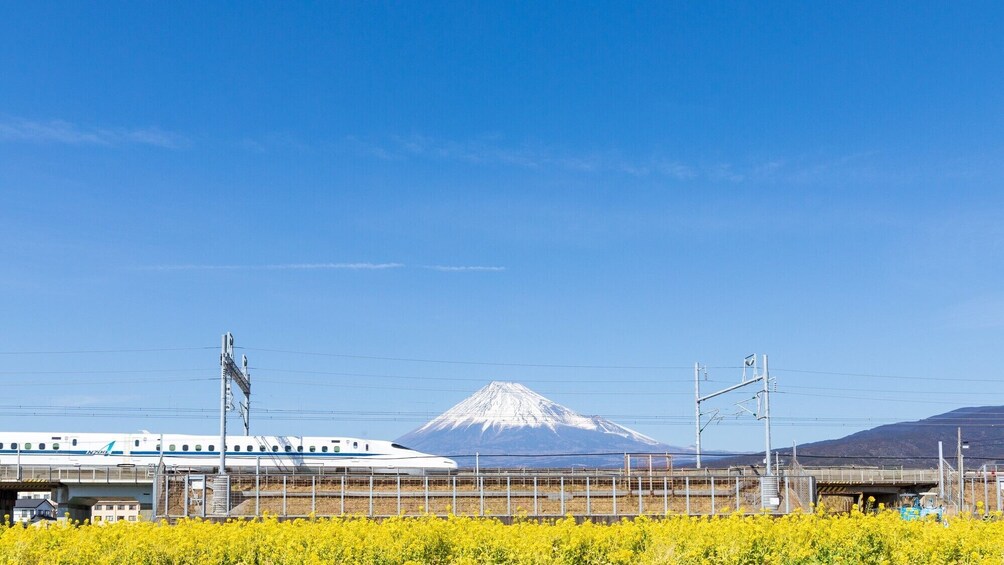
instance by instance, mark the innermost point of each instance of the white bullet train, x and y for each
(244, 453)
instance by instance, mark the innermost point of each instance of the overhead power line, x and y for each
(84, 351)
(259, 370)
(104, 371)
(458, 362)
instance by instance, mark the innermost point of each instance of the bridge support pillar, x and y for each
(7, 500)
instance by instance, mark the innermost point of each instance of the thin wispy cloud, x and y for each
(279, 267)
(320, 267)
(490, 151)
(463, 268)
(17, 130)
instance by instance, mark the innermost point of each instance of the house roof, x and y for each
(31, 502)
(114, 500)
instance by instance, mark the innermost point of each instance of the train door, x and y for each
(133, 443)
(71, 444)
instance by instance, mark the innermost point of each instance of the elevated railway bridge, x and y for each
(591, 494)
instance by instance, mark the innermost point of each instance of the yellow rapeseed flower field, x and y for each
(798, 538)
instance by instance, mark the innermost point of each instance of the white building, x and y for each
(32, 510)
(114, 510)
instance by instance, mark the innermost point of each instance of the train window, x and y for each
(324, 448)
(198, 447)
(289, 448)
(184, 447)
(367, 447)
(55, 447)
(313, 449)
(355, 445)
(250, 448)
(73, 443)
(27, 446)
(237, 448)
(338, 448)
(170, 447)
(275, 448)
(13, 445)
(299, 449)
(135, 443)
(41, 446)
(1, 445)
(212, 447)
(261, 448)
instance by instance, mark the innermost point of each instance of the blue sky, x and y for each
(420, 199)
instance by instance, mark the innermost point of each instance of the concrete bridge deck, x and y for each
(694, 490)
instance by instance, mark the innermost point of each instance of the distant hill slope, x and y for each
(905, 444)
(510, 425)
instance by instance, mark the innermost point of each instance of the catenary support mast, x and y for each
(229, 370)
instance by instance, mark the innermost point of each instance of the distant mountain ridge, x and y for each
(905, 444)
(510, 425)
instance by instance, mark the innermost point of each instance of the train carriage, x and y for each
(286, 453)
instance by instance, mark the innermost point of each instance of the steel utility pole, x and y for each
(941, 473)
(229, 370)
(766, 412)
(763, 411)
(962, 474)
(697, 415)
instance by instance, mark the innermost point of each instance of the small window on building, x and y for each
(275, 448)
(313, 449)
(132, 518)
(198, 447)
(97, 518)
(132, 507)
(121, 506)
(324, 449)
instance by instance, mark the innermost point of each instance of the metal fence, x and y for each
(501, 495)
(78, 474)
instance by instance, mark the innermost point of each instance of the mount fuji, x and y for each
(509, 425)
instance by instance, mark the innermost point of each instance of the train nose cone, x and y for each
(450, 464)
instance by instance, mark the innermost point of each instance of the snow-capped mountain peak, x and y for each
(505, 405)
